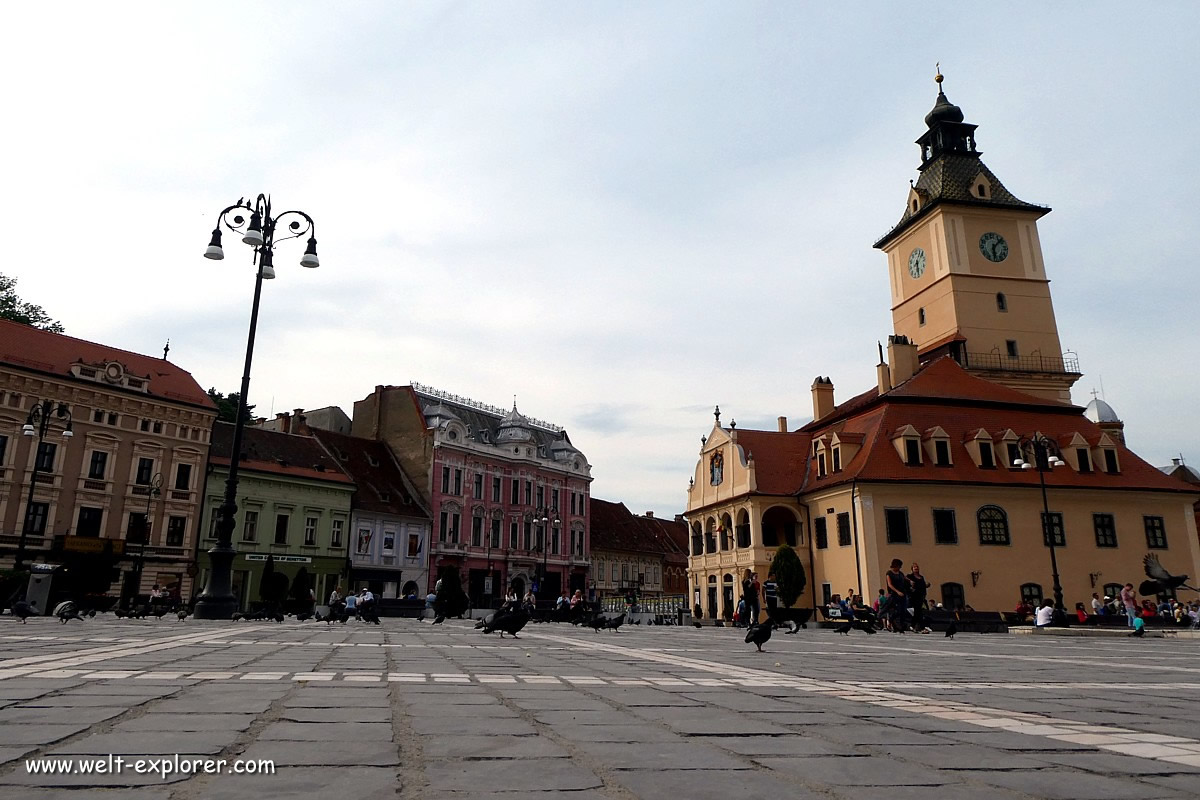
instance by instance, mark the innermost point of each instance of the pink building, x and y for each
(509, 493)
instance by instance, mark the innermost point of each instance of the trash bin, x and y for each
(37, 592)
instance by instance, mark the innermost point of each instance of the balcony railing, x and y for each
(1005, 363)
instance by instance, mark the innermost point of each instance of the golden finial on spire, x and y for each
(938, 78)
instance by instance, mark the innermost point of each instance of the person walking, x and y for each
(918, 589)
(897, 595)
(1129, 601)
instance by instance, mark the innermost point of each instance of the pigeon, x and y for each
(120, 613)
(598, 623)
(506, 622)
(697, 625)
(439, 619)
(22, 609)
(278, 617)
(67, 611)
(951, 629)
(237, 615)
(759, 635)
(304, 616)
(183, 614)
(615, 623)
(842, 629)
(159, 612)
(1161, 581)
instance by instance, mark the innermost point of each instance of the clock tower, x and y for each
(966, 269)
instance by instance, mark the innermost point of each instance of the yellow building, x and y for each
(937, 464)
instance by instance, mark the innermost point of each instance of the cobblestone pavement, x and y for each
(412, 710)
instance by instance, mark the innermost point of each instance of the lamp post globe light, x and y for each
(217, 600)
(1042, 453)
(153, 490)
(546, 516)
(38, 424)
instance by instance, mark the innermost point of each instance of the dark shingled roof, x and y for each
(382, 484)
(615, 527)
(275, 452)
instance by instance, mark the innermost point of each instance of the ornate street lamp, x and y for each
(546, 516)
(38, 424)
(217, 600)
(1045, 454)
(153, 490)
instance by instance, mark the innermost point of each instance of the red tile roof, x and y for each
(277, 453)
(28, 348)
(615, 527)
(382, 484)
(779, 459)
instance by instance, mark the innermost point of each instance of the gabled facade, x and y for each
(508, 494)
(636, 555)
(389, 544)
(294, 505)
(136, 420)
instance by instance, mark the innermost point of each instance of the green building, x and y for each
(293, 505)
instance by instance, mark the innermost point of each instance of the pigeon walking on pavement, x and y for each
(759, 635)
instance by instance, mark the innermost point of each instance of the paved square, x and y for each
(412, 710)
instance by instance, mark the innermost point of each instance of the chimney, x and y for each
(822, 396)
(781, 423)
(284, 420)
(1175, 462)
(902, 359)
(649, 515)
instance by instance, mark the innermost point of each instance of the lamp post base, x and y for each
(217, 600)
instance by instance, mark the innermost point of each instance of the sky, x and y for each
(621, 213)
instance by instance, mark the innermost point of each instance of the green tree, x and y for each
(14, 308)
(227, 405)
(789, 575)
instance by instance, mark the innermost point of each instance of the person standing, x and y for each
(771, 596)
(897, 595)
(755, 602)
(1129, 601)
(1097, 606)
(918, 589)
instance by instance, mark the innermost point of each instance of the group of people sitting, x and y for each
(361, 606)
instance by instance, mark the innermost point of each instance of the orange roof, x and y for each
(779, 459)
(28, 348)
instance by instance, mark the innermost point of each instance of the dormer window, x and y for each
(982, 189)
(821, 465)
(987, 459)
(837, 459)
(912, 452)
(941, 453)
(1085, 459)
(1110, 460)
(914, 205)
(1014, 453)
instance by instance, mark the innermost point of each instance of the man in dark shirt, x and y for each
(896, 585)
(918, 588)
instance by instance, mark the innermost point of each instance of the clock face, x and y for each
(916, 263)
(993, 247)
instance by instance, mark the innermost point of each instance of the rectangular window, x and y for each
(826, 594)
(1052, 525)
(514, 491)
(944, 528)
(843, 529)
(98, 415)
(183, 477)
(363, 545)
(477, 531)
(554, 542)
(136, 528)
(477, 489)
(541, 496)
(145, 426)
(1014, 453)
(454, 528)
(1085, 459)
(281, 528)
(616, 573)
(175, 530)
(389, 542)
(528, 493)
(1011, 346)
(444, 527)
(912, 452)
(98, 466)
(3, 448)
(1156, 533)
(821, 533)
(528, 536)
(941, 453)
(458, 482)
(45, 456)
(35, 518)
(837, 459)
(987, 459)
(1110, 460)
(821, 465)
(310, 531)
(1106, 530)
(112, 418)
(572, 502)
(145, 471)
(582, 504)
(250, 527)
(554, 499)
(414, 546)
(496, 533)
(896, 522)
(212, 523)
(445, 480)
(512, 535)
(496, 489)
(335, 536)
(89, 522)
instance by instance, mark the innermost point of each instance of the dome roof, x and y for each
(514, 427)
(1100, 411)
(943, 111)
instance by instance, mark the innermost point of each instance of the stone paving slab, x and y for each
(187, 722)
(514, 775)
(497, 744)
(327, 732)
(36, 733)
(709, 785)
(856, 771)
(324, 753)
(354, 782)
(149, 743)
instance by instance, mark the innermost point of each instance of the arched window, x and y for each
(743, 529)
(920, 316)
(697, 540)
(983, 190)
(726, 532)
(953, 596)
(710, 536)
(993, 525)
(914, 204)
(1001, 302)
(1031, 593)
(778, 527)
(1113, 590)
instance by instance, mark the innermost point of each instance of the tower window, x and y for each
(914, 204)
(982, 190)
(921, 316)
(1001, 302)
(1011, 345)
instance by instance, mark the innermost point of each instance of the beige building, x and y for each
(921, 467)
(136, 420)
